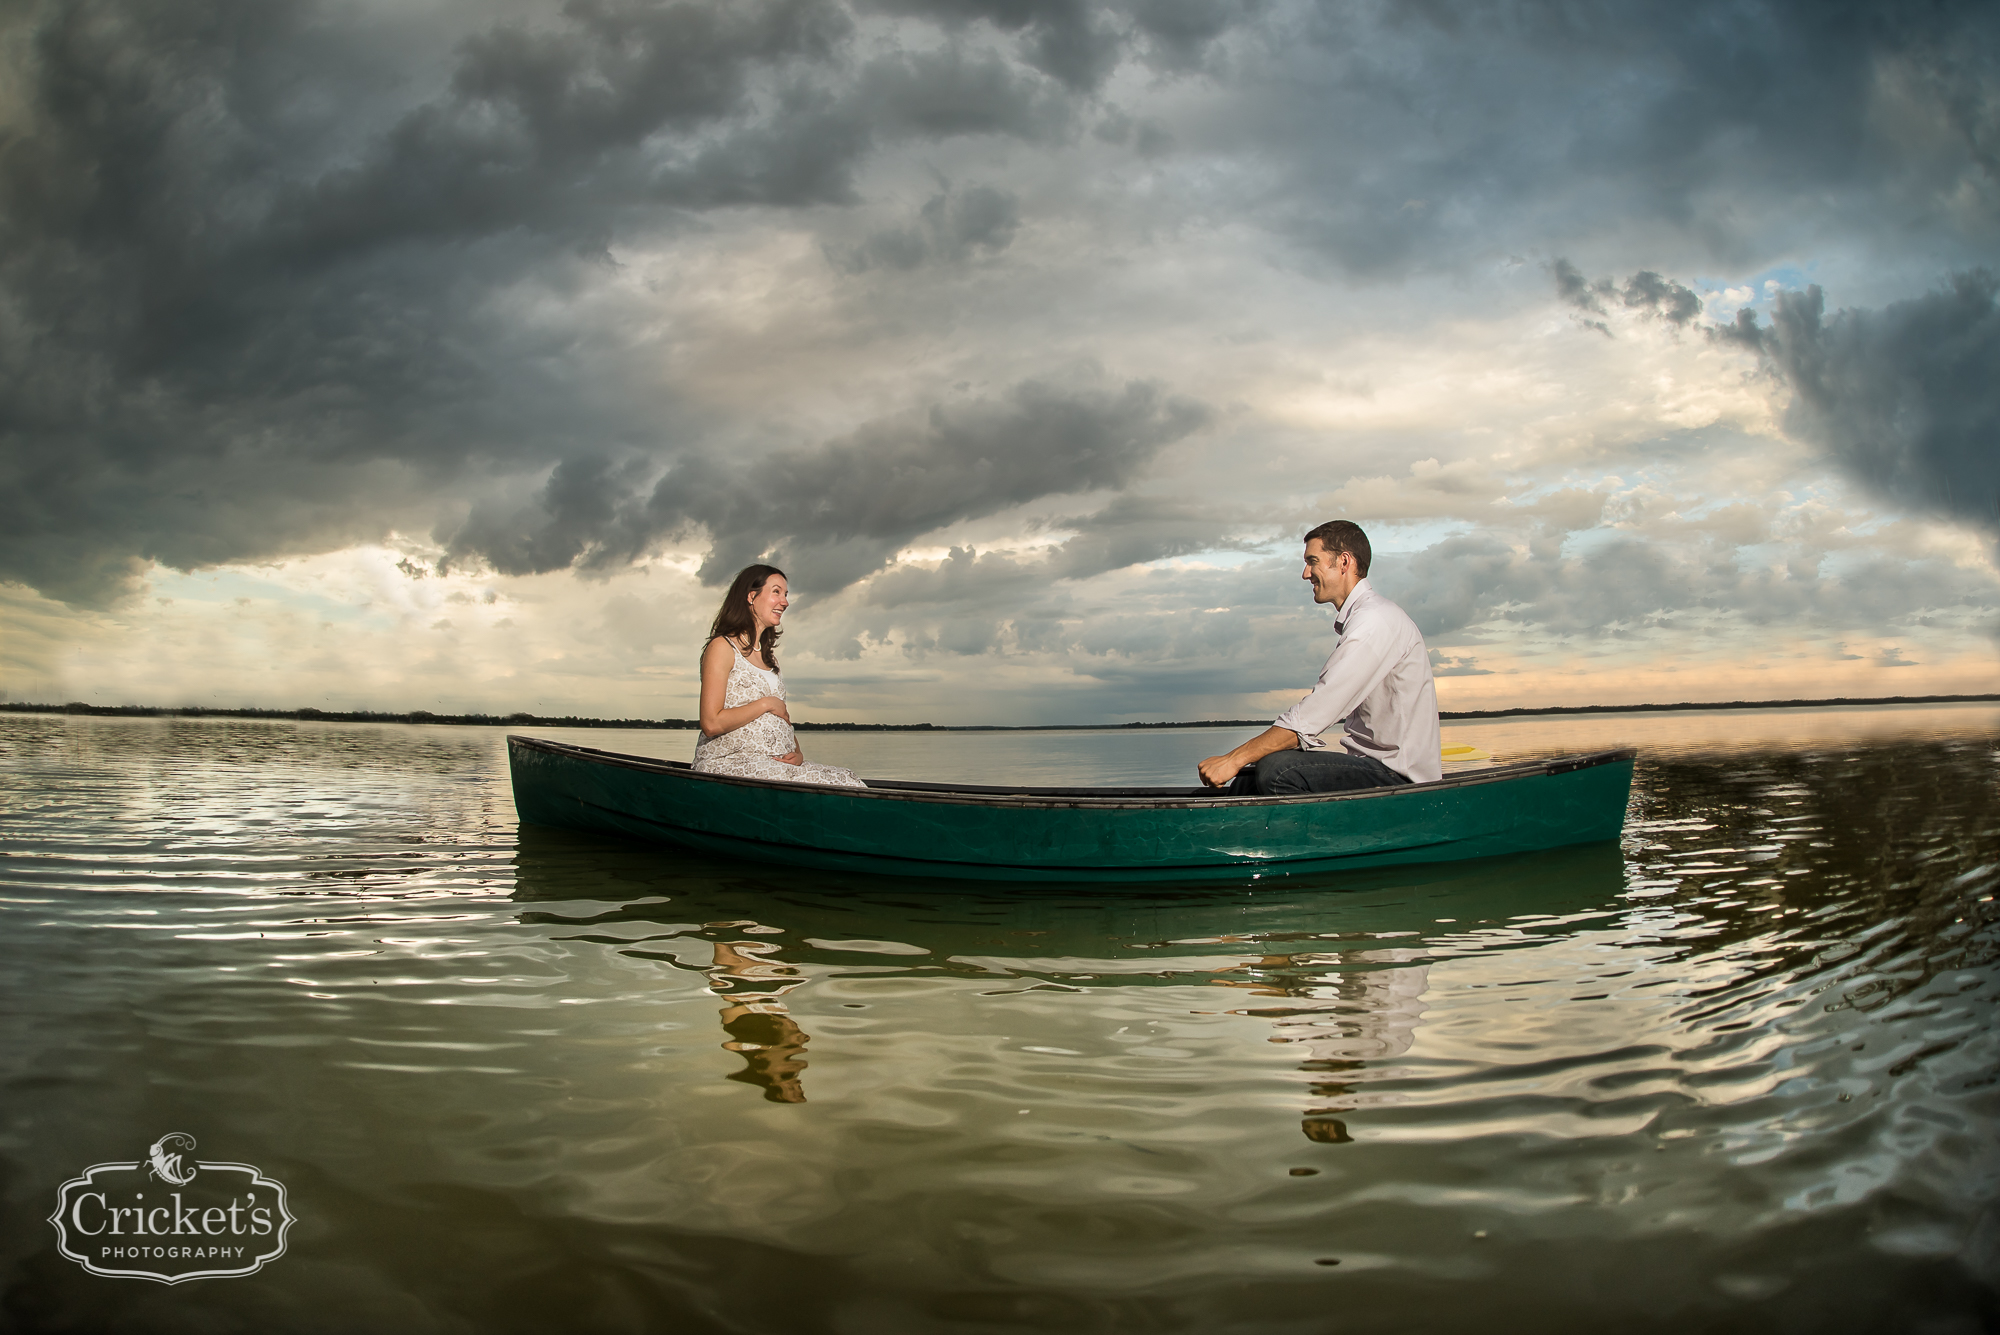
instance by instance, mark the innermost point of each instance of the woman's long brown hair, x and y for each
(734, 620)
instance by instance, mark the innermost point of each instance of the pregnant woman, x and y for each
(745, 729)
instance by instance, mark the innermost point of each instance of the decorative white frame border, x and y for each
(89, 1179)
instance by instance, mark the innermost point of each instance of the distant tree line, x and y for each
(348, 716)
(688, 724)
(517, 720)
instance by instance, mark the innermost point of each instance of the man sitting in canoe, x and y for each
(1378, 681)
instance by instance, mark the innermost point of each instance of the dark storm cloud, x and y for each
(543, 130)
(1905, 398)
(1165, 633)
(1131, 530)
(1180, 32)
(263, 271)
(1417, 136)
(952, 226)
(837, 512)
(952, 92)
(1645, 292)
(1586, 296)
(1578, 291)
(1134, 530)
(1626, 585)
(234, 326)
(845, 508)
(642, 106)
(1080, 42)
(1470, 580)
(1066, 39)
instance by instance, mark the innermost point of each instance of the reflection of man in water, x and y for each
(1363, 1017)
(759, 1027)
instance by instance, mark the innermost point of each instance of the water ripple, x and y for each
(1740, 1068)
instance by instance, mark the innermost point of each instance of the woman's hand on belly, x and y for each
(793, 757)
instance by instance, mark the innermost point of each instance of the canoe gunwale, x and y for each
(1028, 797)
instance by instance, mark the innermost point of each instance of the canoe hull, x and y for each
(1107, 836)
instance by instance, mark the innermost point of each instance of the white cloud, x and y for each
(822, 258)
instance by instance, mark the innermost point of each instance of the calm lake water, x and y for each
(1739, 1071)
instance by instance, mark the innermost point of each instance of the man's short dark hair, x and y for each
(1341, 535)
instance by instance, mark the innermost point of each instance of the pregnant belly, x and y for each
(765, 735)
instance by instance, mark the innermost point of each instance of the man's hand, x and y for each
(793, 757)
(1219, 770)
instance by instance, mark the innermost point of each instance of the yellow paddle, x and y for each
(1454, 753)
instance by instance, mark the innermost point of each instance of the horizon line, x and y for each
(519, 719)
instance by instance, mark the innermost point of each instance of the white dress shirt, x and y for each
(1379, 681)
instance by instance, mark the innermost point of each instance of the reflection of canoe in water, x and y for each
(1146, 835)
(623, 895)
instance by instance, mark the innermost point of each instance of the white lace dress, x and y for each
(752, 751)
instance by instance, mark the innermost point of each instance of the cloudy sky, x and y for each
(393, 355)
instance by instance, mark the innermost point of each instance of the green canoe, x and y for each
(1141, 835)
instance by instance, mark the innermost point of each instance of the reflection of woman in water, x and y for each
(759, 1027)
(746, 729)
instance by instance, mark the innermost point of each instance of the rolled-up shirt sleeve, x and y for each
(1357, 667)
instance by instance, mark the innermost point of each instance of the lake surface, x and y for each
(1739, 1071)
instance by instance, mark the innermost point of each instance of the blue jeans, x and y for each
(1327, 770)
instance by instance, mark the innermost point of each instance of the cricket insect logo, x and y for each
(165, 1157)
